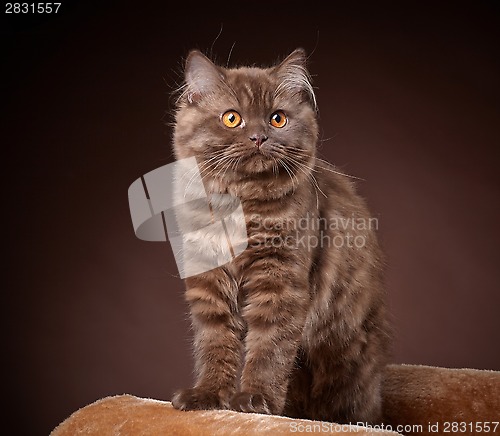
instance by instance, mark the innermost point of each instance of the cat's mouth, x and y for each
(259, 160)
(246, 160)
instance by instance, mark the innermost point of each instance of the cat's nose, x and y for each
(258, 139)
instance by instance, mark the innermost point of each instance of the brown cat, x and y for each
(296, 325)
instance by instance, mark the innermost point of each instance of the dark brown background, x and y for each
(409, 101)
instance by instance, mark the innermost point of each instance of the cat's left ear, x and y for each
(202, 76)
(293, 75)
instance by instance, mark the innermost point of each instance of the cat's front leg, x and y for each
(277, 298)
(217, 342)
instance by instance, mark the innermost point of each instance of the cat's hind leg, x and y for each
(299, 388)
(345, 390)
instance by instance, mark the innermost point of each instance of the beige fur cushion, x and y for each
(418, 399)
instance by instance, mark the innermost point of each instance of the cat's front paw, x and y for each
(251, 403)
(196, 399)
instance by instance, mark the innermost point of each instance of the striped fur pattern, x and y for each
(297, 324)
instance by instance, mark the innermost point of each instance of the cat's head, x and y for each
(248, 121)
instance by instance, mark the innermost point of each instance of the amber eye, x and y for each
(231, 119)
(278, 119)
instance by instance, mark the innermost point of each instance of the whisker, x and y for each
(290, 173)
(201, 167)
(335, 171)
(300, 165)
(299, 152)
(328, 139)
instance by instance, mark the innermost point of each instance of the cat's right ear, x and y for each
(202, 76)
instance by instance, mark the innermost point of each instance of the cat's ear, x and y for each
(293, 76)
(202, 76)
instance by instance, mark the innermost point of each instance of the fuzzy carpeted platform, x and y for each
(417, 400)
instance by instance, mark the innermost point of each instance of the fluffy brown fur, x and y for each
(295, 325)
